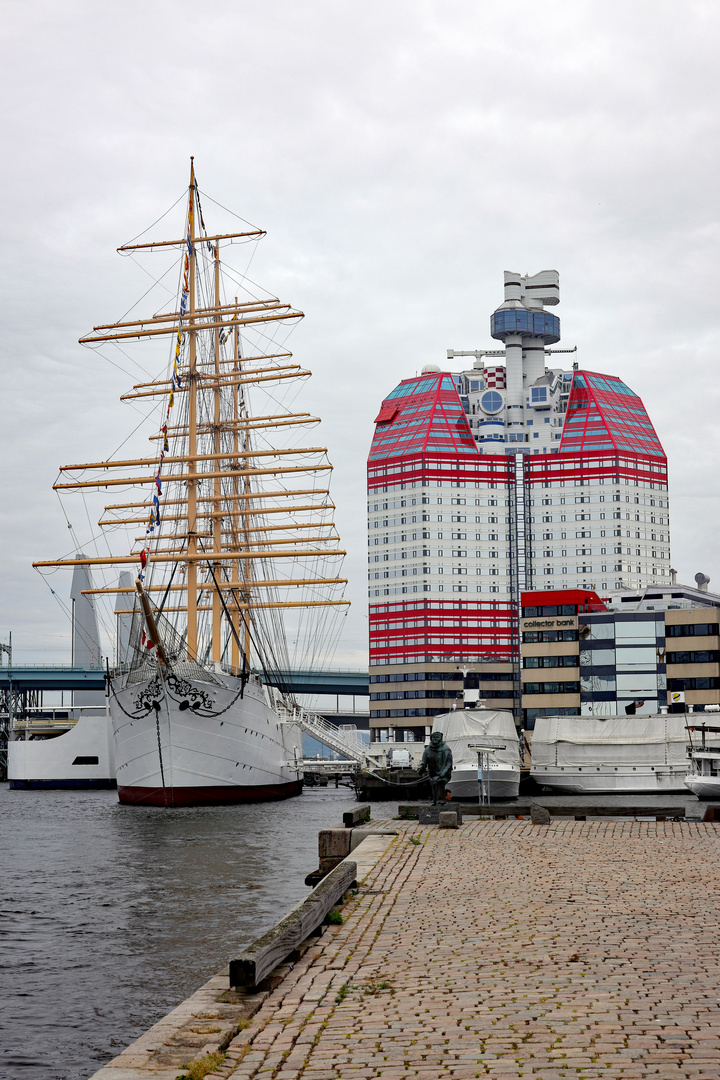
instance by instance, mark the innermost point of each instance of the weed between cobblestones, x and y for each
(375, 988)
(198, 1069)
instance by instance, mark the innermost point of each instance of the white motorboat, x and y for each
(704, 776)
(462, 727)
(610, 755)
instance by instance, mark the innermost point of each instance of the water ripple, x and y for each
(110, 915)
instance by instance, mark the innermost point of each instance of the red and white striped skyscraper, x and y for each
(492, 481)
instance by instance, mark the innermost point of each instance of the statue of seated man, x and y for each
(437, 762)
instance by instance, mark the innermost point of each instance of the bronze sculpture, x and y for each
(437, 762)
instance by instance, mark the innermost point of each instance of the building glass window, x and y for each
(549, 611)
(532, 636)
(597, 658)
(703, 656)
(551, 688)
(597, 684)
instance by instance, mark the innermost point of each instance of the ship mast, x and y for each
(217, 484)
(233, 523)
(192, 435)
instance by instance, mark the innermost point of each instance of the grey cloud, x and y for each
(401, 156)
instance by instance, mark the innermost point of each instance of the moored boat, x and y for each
(238, 540)
(67, 746)
(610, 754)
(53, 750)
(703, 778)
(462, 728)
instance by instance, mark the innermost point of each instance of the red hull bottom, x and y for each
(206, 796)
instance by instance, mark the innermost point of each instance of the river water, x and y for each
(111, 915)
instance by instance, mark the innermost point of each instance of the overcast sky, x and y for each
(401, 155)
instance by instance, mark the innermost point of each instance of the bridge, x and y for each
(59, 677)
(51, 677)
(355, 683)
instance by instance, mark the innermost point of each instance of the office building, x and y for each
(509, 476)
(636, 653)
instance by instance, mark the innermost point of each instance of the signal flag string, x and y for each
(176, 385)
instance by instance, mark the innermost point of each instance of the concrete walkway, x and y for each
(505, 949)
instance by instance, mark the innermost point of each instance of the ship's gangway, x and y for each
(349, 744)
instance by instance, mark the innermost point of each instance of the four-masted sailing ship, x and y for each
(235, 540)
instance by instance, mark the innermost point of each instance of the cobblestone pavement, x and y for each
(504, 949)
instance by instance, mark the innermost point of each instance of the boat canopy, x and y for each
(462, 727)
(613, 740)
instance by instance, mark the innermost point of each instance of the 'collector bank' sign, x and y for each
(547, 624)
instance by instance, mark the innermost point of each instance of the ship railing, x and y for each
(47, 717)
(348, 743)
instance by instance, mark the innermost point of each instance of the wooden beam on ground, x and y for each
(259, 959)
(356, 816)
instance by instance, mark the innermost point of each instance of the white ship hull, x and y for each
(190, 742)
(705, 787)
(79, 758)
(611, 780)
(504, 782)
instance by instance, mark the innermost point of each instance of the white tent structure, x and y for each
(460, 729)
(613, 754)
